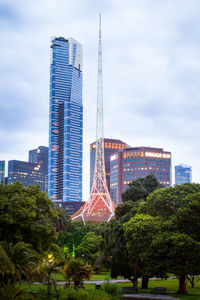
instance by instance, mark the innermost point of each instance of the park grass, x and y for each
(170, 284)
(94, 277)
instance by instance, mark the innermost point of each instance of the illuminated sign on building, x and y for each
(157, 154)
(113, 157)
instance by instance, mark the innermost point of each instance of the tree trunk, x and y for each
(182, 285)
(145, 281)
(135, 276)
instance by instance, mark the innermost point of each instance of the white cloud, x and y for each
(151, 63)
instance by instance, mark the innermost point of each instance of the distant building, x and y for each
(33, 172)
(111, 146)
(65, 121)
(25, 172)
(132, 163)
(40, 156)
(183, 174)
(2, 171)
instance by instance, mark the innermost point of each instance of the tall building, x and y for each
(132, 163)
(25, 172)
(32, 172)
(110, 147)
(65, 121)
(2, 171)
(40, 156)
(183, 174)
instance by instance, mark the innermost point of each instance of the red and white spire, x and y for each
(99, 207)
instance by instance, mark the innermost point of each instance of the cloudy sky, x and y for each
(151, 71)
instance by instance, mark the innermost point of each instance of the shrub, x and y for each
(111, 289)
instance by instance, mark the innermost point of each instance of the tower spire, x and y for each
(99, 207)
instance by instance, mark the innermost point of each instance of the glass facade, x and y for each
(183, 174)
(132, 163)
(2, 171)
(65, 121)
(40, 156)
(25, 172)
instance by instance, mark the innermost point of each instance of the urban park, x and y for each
(150, 249)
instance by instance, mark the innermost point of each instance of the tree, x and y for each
(179, 208)
(47, 269)
(139, 233)
(78, 270)
(16, 261)
(89, 248)
(140, 188)
(178, 253)
(166, 202)
(63, 221)
(72, 237)
(26, 214)
(114, 252)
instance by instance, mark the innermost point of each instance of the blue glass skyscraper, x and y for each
(65, 121)
(183, 174)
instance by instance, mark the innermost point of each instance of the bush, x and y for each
(72, 294)
(111, 289)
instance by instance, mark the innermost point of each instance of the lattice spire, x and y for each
(99, 207)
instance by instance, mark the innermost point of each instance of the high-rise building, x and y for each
(25, 172)
(110, 147)
(131, 163)
(183, 174)
(65, 121)
(2, 171)
(32, 172)
(40, 156)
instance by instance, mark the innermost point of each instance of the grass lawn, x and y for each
(170, 284)
(103, 276)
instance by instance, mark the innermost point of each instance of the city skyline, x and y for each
(155, 95)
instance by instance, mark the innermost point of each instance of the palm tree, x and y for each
(16, 261)
(77, 270)
(12, 292)
(63, 221)
(47, 268)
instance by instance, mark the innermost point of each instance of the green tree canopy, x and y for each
(114, 252)
(179, 209)
(26, 214)
(139, 234)
(141, 188)
(89, 248)
(166, 202)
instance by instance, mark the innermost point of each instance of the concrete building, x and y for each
(129, 164)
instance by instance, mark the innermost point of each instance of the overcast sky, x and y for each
(151, 72)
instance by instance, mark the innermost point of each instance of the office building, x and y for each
(2, 171)
(183, 174)
(33, 172)
(40, 156)
(110, 147)
(25, 172)
(129, 164)
(65, 121)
